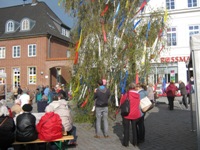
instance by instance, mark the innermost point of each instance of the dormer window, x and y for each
(65, 32)
(25, 24)
(10, 26)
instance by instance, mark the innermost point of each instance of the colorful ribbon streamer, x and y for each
(165, 16)
(104, 33)
(148, 28)
(120, 24)
(105, 10)
(117, 11)
(135, 25)
(141, 7)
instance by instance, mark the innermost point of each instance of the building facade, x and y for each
(182, 22)
(34, 46)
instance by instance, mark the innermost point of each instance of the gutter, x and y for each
(49, 47)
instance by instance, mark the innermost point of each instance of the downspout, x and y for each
(49, 46)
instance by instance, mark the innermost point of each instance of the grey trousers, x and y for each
(101, 112)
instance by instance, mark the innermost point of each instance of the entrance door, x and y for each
(16, 77)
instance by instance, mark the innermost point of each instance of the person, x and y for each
(42, 104)
(19, 90)
(183, 91)
(38, 95)
(46, 91)
(133, 117)
(15, 92)
(192, 83)
(189, 90)
(141, 88)
(25, 125)
(52, 92)
(150, 92)
(50, 125)
(171, 93)
(60, 107)
(101, 97)
(24, 98)
(16, 108)
(7, 128)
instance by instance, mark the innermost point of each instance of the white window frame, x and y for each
(32, 72)
(10, 26)
(169, 5)
(194, 29)
(170, 34)
(192, 3)
(2, 52)
(2, 80)
(25, 25)
(16, 49)
(32, 50)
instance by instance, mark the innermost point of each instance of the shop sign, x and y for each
(175, 59)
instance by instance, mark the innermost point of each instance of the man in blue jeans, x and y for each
(101, 97)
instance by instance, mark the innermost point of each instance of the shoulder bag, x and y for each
(146, 104)
(125, 107)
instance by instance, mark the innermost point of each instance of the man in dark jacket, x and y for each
(101, 97)
(25, 123)
(183, 91)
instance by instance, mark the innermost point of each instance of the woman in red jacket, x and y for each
(50, 126)
(171, 93)
(134, 115)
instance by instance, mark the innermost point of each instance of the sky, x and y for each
(53, 4)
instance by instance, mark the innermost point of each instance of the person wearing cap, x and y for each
(25, 125)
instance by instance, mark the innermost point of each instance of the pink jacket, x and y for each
(135, 111)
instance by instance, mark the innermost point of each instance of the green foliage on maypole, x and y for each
(115, 40)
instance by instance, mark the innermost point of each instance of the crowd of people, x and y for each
(18, 123)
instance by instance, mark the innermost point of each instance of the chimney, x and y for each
(34, 2)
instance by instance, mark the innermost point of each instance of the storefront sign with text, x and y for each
(175, 59)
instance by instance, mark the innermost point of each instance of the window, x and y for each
(32, 75)
(195, 29)
(65, 32)
(192, 3)
(2, 80)
(16, 51)
(10, 26)
(170, 4)
(171, 37)
(31, 50)
(25, 24)
(2, 52)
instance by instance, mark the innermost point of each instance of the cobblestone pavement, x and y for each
(165, 130)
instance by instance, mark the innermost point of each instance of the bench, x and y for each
(58, 142)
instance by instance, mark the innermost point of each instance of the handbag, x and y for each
(146, 104)
(125, 107)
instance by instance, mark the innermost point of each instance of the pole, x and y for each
(190, 99)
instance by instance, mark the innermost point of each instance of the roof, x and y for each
(45, 21)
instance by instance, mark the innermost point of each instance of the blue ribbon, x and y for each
(135, 25)
(148, 28)
(117, 10)
(123, 83)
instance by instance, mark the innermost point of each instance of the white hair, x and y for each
(3, 110)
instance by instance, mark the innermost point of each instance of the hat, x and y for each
(27, 107)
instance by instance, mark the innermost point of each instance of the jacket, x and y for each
(26, 129)
(135, 111)
(64, 112)
(171, 90)
(182, 88)
(101, 96)
(49, 127)
(7, 131)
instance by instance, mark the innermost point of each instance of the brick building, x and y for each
(34, 46)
